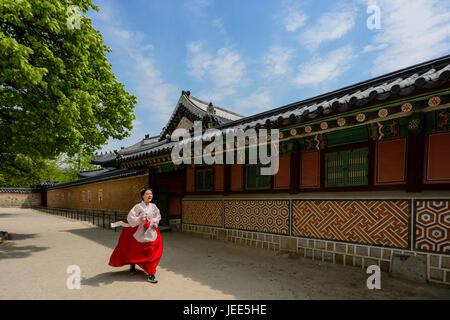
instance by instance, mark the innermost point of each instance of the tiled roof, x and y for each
(19, 190)
(110, 157)
(112, 174)
(93, 173)
(222, 113)
(197, 109)
(403, 82)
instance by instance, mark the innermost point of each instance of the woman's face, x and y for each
(148, 196)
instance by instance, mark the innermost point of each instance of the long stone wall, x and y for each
(350, 232)
(19, 197)
(119, 194)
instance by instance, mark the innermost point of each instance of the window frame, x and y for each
(371, 144)
(203, 170)
(258, 185)
(345, 158)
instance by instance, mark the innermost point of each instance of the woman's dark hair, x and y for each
(145, 189)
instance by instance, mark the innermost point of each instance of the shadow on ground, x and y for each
(11, 250)
(248, 273)
(6, 215)
(111, 277)
(22, 236)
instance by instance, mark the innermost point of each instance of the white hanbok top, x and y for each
(134, 218)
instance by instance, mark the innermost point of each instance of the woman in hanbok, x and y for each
(140, 241)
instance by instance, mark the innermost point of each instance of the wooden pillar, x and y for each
(44, 197)
(295, 172)
(151, 178)
(415, 161)
(322, 169)
(226, 179)
(372, 146)
(183, 178)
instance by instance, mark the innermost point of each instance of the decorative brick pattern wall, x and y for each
(258, 215)
(203, 212)
(433, 226)
(371, 222)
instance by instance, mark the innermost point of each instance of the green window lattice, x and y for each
(347, 168)
(253, 178)
(204, 179)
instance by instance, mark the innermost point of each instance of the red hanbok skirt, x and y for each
(145, 254)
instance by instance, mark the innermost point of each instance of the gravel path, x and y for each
(34, 261)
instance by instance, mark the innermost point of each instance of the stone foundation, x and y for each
(175, 224)
(349, 254)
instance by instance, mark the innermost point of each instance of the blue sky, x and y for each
(250, 56)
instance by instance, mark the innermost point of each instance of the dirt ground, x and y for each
(33, 265)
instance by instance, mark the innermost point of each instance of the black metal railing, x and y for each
(99, 217)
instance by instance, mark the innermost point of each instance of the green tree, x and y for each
(69, 167)
(57, 91)
(27, 172)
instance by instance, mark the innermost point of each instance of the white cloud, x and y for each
(370, 47)
(330, 26)
(156, 97)
(294, 20)
(411, 32)
(320, 70)
(198, 8)
(152, 92)
(227, 68)
(224, 68)
(277, 61)
(218, 24)
(217, 94)
(199, 61)
(256, 101)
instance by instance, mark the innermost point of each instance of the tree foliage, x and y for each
(26, 172)
(57, 91)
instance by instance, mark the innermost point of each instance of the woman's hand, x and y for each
(144, 218)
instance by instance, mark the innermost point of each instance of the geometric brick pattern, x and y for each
(378, 222)
(258, 215)
(433, 226)
(207, 213)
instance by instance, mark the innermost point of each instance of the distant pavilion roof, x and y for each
(188, 106)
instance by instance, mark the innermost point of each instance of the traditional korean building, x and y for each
(363, 174)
